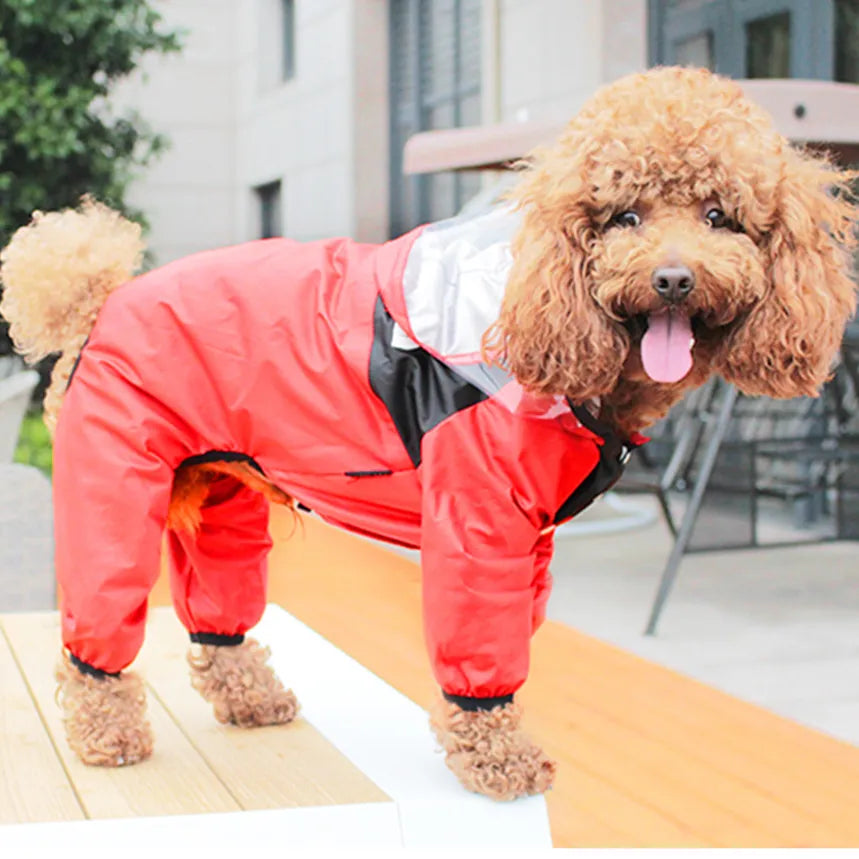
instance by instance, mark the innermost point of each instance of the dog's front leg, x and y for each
(485, 556)
(489, 753)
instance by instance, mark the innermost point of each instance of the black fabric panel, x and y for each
(614, 454)
(91, 670)
(75, 365)
(217, 640)
(418, 390)
(221, 456)
(473, 704)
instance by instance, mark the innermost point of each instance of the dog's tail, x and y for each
(56, 273)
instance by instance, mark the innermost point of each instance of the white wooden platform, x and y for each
(359, 767)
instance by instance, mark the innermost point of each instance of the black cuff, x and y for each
(217, 640)
(473, 704)
(90, 670)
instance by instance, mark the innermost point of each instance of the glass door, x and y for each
(758, 38)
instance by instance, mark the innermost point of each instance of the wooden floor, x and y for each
(647, 757)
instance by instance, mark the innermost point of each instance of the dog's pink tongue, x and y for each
(666, 348)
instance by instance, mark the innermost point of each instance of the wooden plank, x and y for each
(175, 780)
(273, 767)
(386, 736)
(648, 757)
(33, 784)
(748, 722)
(755, 760)
(719, 807)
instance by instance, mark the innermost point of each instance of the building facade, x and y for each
(289, 117)
(277, 116)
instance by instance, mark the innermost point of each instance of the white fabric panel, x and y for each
(453, 285)
(455, 278)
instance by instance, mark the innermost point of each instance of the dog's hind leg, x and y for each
(218, 583)
(111, 494)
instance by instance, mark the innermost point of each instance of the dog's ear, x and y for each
(786, 346)
(551, 335)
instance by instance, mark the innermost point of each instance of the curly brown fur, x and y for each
(239, 684)
(191, 489)
(104, 718)
(57, 273)
(770, 301)
(489, 753)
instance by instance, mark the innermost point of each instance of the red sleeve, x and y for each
(492, 483)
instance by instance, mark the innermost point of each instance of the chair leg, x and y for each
(685, 533)
(662, 496)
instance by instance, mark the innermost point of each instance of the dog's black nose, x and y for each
(673, 283)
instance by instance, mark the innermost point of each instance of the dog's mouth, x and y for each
(666, 338)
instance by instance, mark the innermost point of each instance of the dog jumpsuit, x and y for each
(351, 375)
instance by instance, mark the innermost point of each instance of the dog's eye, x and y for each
(629, 218)
(717, 219)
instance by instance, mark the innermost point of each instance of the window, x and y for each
(288, 44)
(269, 208)
(695, 51)
(847, 41)
(758, 38)
(435, 83)
(275, 42)
(768, 47)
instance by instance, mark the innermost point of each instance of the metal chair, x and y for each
(802, 452)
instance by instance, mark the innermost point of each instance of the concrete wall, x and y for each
(297, 131)
(188, 195)
(624, 38)
(370, 120)
(234, 124)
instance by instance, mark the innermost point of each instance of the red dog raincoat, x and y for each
(351, 375)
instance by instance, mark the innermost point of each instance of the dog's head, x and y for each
(672, 233)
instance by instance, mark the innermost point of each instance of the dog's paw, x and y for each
(104, 718)
(488, 752)
(241, 686)
(521, 768)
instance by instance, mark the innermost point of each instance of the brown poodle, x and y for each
(670, 234)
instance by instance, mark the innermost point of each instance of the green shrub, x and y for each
(34, 443)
